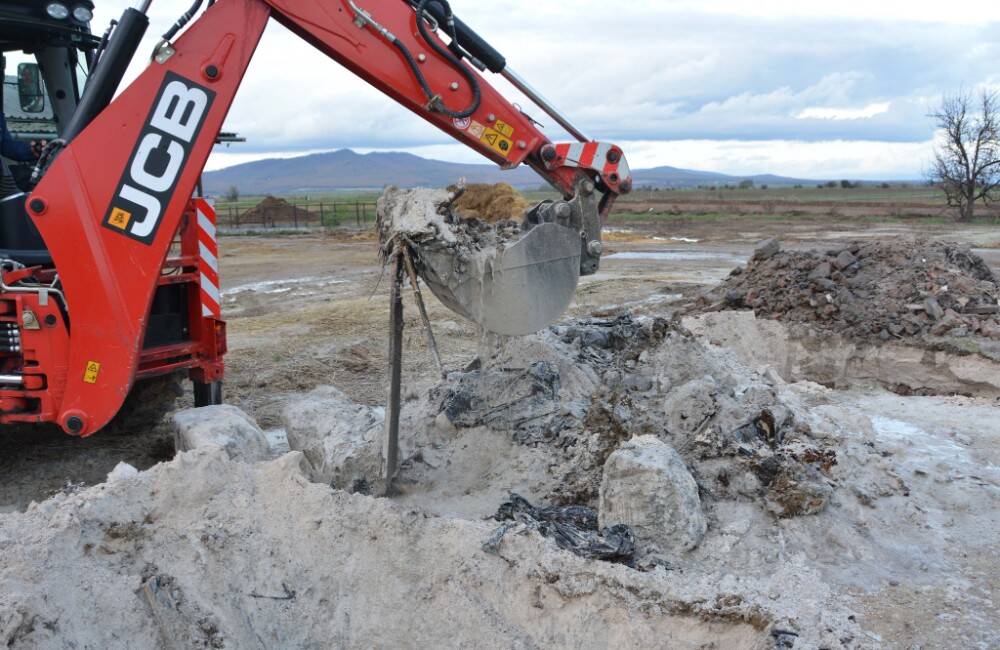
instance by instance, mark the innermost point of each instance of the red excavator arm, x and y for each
(111, 203)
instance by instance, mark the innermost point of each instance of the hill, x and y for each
(348, 170)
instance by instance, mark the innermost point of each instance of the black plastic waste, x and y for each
(574, 528)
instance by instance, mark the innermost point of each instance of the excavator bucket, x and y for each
(521, 290)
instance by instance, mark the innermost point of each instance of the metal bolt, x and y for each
(212, 71)
(37, 206)
(421, 57)
(74, 424)
(521, 144)
(588, 188)
(614, 156)
(454, 85)
(563, 211)
(595, 248)
(491, 117)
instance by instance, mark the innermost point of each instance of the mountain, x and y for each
(674, 177)
(347, 170)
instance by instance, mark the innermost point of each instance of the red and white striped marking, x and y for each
(593, 155)
(208, 259)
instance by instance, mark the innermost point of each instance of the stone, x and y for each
(933, 308)
(688, 408)
(339, 438)
(844, 260)
(223, 426)
(766, 249)
(822, 270)
(647, 486)
(949, 321)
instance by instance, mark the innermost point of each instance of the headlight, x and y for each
(83, 14)
(57, 10)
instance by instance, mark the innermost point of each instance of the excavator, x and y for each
(109, 268)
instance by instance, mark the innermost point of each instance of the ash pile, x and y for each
(910, 289)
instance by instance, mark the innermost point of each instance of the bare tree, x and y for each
(967, 162)
(233, 194)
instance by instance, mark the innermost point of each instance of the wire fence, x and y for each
(275, 214)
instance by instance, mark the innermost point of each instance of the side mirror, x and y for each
(29, 88)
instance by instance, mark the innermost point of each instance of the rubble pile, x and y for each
(583, 391)
(876, 290)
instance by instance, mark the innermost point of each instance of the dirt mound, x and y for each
(491, 203)
(276, 210)
(881, 290)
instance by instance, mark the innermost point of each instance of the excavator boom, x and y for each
(111, 203)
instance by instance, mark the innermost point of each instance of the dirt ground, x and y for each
(312, 310)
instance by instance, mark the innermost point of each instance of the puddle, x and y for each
(281, 286)
(670, 255)
(685, 240)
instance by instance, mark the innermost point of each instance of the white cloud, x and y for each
(760, 86)
(867, 112)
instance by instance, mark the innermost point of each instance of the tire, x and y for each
(207, 393)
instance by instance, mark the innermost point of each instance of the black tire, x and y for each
(207, 394)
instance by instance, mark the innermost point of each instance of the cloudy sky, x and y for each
(795, 87)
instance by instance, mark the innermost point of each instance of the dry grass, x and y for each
(491, 203)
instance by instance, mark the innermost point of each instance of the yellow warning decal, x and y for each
(504, 129)
(119, 219)
(497, 141)
(91, 373)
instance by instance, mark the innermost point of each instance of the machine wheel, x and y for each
(207, 393)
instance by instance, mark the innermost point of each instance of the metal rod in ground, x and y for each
(418, 295)
(390, 450)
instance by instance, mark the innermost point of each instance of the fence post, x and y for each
(322, 221)
(295, 217)
(357, 212)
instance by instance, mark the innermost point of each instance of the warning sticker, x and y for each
(91, 373)
(476, 129)
(497, 141)
(504, 129)
(119, 218)
(461, 123)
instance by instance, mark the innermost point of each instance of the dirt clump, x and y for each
(273, 210)
(911, 289)
(491, 203)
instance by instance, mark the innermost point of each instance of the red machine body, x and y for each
(116, 213)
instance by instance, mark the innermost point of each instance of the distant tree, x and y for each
(746, 185)
(797, 186)
(763, 187)
(831, 184)
(967, 161)
(885, 186)
(233, 194)
(846, 185)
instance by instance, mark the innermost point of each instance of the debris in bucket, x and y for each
(573, 528)
(504, 275)
(880, 290)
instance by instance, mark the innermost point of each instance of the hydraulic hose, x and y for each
(435, 101)
(183, 20)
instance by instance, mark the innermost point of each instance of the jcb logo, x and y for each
(159, 158)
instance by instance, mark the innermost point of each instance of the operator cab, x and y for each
(47, 51)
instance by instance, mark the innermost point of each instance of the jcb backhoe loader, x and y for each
(109, 264)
